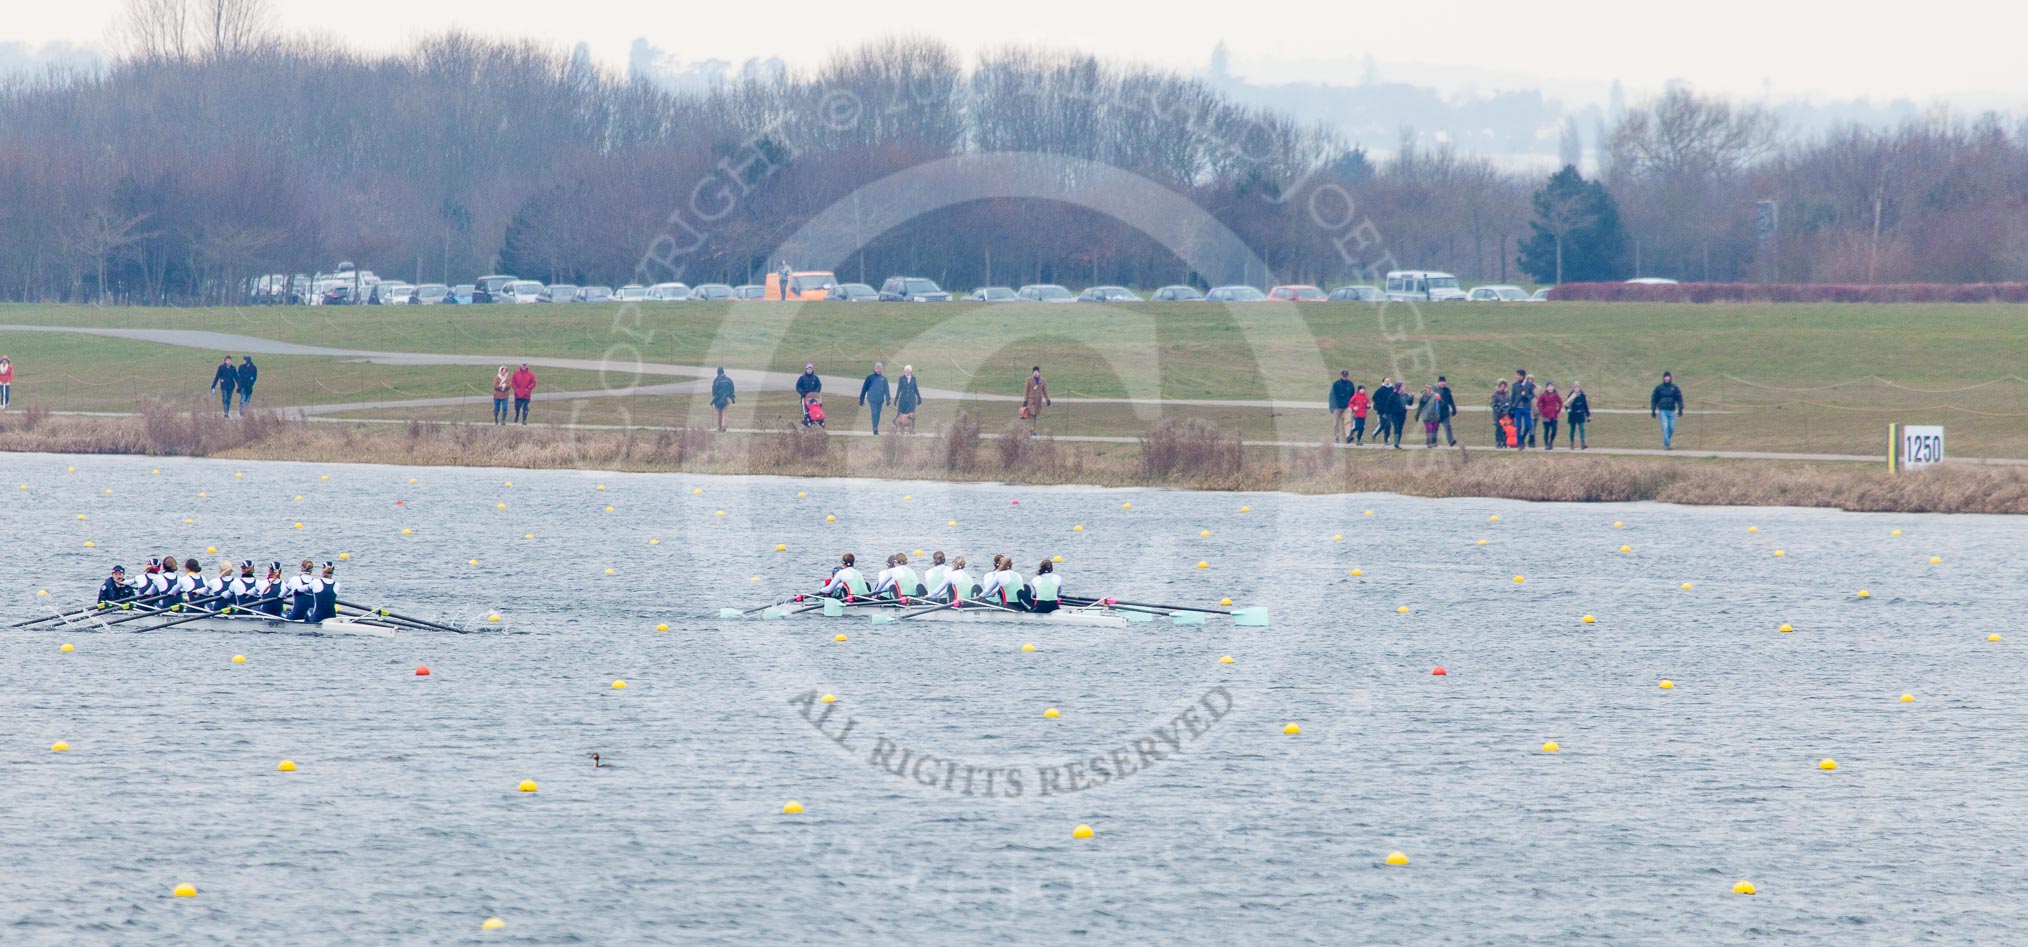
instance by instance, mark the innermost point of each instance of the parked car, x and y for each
(1299, 293)
(992, 294)
(1177, 294)
(1541, 295)
(485, 288)
(806, 286)
(1045, 293)
(429, 294)
(631, 293)
(912, 289)
(749, 291)
(594, 294)
(560, 293)
(854, 293)
(711, 292)
(1235, 294)
(390, 293)
(1357, 294)
(1422, 286)
(668, 292)
(339, 295)
(520, 291)
(1497, 294)
(1108, 294)
(460, 294)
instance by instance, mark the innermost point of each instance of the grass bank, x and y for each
(1188, 454)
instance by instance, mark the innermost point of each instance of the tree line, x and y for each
(215, 152)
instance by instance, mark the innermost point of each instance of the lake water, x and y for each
(403, 823)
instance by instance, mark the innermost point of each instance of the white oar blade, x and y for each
(1254, 616)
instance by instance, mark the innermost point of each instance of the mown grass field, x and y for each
(1815, 378)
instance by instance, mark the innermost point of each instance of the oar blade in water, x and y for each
(833, 608)
(1134, 615)
(1255, 616)
(731, 613)
(1187, 618)
(772, 613)
(883, 619)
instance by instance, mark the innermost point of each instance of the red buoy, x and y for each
(422, 671)
(1440, 672)
(400, 502)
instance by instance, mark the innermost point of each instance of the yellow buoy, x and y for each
(90, 545)
(1668, 685)
(1201, 564)
(830, 698)
(499, 506)
(210, 549)
(1397, 858)
(1338, 538)
(286, 766)
(1126, 506)
(235, 475)
(1626, 549)
(952, 523)
(471, 562)
(156, 472)
(619, 685)
(1291, 729)
(610, 571)
(59, 746)
(1403, 609)
(1051, 713)
(1588, 619)
(325, 477)
(1995, 636)
(1518, 580)
(662, 627)
(510, 483)
(406, 532)
(602, 488)
(1203, 532)
(792, 807)
(1908, 698)
(717, 513)
(1246, 509)
(1743, 887)
(1028, 647)
(800, 494)
(411, 479)
(699, 491)
(527, 785)
(781, 547)
(1897, 532)
(1786, 628)
(299, 498)
(1935, 560)
(1780, 553)
(1051, 558)
(1687, 586)
(527, 535)
(839, 637)
(1358, 572)
(1078, 528)
(67, 648)
(1617, 524)
(1495, 518)
(610, 509)
(344, 555)
(80, 516)
(493, 617)
(297, 526)
(42, 591)
(1551, 747)
(1082, 831)
(492, 924)
(185, 890)
(828, 518)
(1865, 594)
(239, 659)
(1225, 659)
(1369, 512)
(754, 578)
(1827, 764)
(1225, 602)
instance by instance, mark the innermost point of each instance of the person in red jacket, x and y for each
(1359, 405)
(524, 391)
(6, 382)
(1549, 405)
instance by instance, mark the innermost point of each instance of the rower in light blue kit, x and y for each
(953, 584)
(845, 580)
(1003, 584)
(1041, 594)
(897, 580)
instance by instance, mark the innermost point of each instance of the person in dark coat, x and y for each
(1502, 409)
(808, 384)
(1443, 387)
(721, 396)
(874, 393)
(1577, 412)
(224, 382)
(1383, 409)
(248, 374)
(1666, 403)
(1401, 402)
(907, 397)
(1342, 391)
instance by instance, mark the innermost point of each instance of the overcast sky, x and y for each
(1848, 49)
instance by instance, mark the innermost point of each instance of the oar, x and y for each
(94, 607)
(384, 613)
(171, 608)
(1253, 616)
(738, 613)
(404, 622)
(173, 623)
(884, 619)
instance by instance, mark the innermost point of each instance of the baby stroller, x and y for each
(813, 413)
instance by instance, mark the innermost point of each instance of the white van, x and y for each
(520, 291)
(1422, 286)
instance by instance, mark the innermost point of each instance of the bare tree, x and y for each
(180, 30)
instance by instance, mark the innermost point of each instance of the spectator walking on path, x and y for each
(1443, 390)
(248, 374)
(808, 384)
(502, 390)
(1429, 409)
(224, 382)
(907, 398)
(1341, 398)
(1383, 405)
(721, 396)
(1549, 405)
(1360, 404)
(1502, 412)
(1036, 396)
(874, 393)
(1521, 404)
(6, 382)
(524, 392)
(1666, 403)
(1399, 419)
(1577, 411)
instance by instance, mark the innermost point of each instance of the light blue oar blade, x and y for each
(833, 608)
(730, 613)
(1134, 615)
(1187, 618)
(773, 614)
(883, 619)
(1255, 616)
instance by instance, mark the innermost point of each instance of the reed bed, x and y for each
(1189, 455)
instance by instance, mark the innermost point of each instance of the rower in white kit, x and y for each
(954, 584)
(324, 594)
(1041, 594)
(845, 580)
(1003, 584)
(301, 600)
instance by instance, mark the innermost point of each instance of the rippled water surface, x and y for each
(403, 823)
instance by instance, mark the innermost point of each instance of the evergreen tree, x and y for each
(1577, 235)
